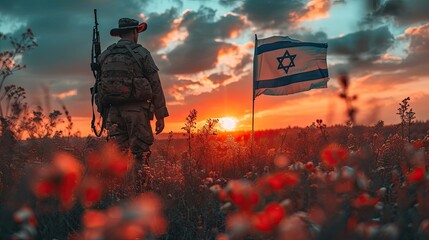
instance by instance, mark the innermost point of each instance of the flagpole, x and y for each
(255, 66)
(253, 122)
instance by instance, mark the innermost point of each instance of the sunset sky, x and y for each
(204, 50)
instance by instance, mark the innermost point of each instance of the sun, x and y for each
(228, 123)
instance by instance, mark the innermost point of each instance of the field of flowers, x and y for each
(343, 182)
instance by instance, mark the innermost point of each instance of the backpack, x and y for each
(122, 79)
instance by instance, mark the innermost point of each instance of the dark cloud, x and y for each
(219, 78)
(200, 49)
(64, 33)
(64, 28)
(228, 2)
(315, 9)
(246, 59)
(411, 68)
(366, 44)
(339, 2)
(189, 58)
(270, 13)
(402, 11)
(159, 24)
(362, 51)
(310, 36)
(201, 24)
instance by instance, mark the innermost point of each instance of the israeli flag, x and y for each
(284, 66)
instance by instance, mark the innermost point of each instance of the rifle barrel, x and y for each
(95, 15)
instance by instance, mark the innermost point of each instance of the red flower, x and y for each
(130, 231)
(222, 195)
(94, 219)
(243, 195)
(117, 163)
(275, 211)
(333, 154)
(60, 179)
(276, 181)
(245, 200)
(43, 189)
(117, 167)
(418, 144)
(158, 226)
(71, 170)
(67, 187)
(91, 192)
(417, 174)
(364, 200)
(291, 179)
(309, 166)
(268, 219)
(263, 222)
(281, 180)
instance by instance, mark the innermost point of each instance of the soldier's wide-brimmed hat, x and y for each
(125, 24)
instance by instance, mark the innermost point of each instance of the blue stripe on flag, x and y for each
(287, 44)
(286, 80)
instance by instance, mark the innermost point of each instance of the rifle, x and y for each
(96, 70)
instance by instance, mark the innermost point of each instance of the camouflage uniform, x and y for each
(129, 124)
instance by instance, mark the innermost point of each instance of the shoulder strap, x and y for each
(134, 56)
(145, 54)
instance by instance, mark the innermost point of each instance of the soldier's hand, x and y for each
(159, 126)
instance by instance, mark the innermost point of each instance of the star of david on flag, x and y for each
(283, 65)
(291, 63)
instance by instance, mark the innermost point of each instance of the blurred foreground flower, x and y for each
(140, 218)
(417, 174)
(269, 218)
(242, 194)
(334, 154)
(59, 180)
(110, 161)
(63, 178)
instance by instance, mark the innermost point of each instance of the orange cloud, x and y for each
(418, 36)
(419, 30)
(388, 58)
(182, 88)
(232, 56)
(63, 95)
(176, 34)
(228, 56)
(315, 9)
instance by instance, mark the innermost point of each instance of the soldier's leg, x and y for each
(141, 138)
(117, 129)
(117, 132)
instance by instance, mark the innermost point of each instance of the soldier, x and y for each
(131, 87)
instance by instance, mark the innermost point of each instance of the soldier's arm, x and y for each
(158, 99)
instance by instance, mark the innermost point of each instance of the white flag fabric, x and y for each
(284, 66)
